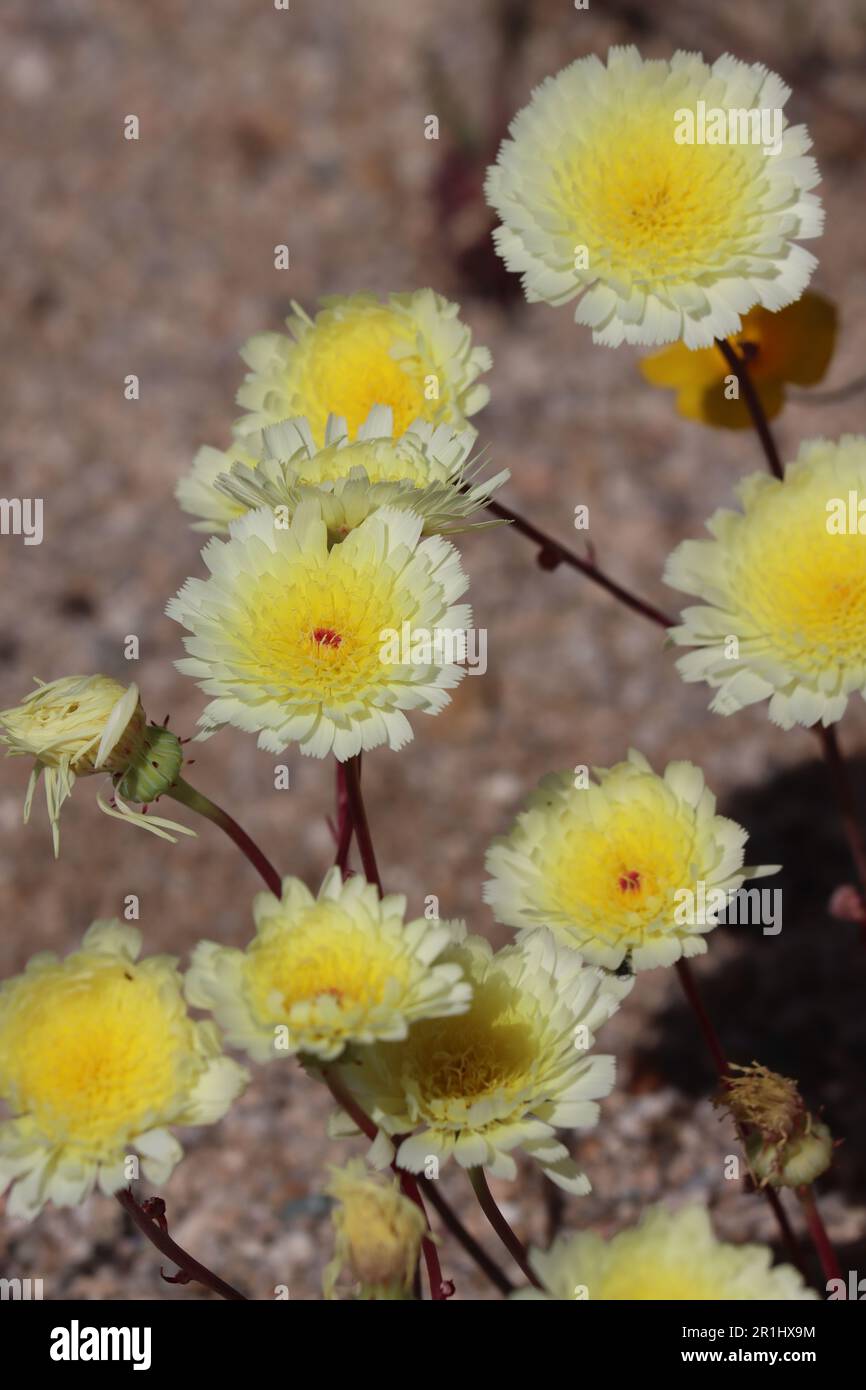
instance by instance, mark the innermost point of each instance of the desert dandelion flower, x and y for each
(411, 352)
(99, 1056)
(503, 1076)
(637, 866)
(426, 470)
(378, 1231)
(783, 584)
(668, 1257)
(294, 639)
(324, 971)
(603, 201)
(81, 725)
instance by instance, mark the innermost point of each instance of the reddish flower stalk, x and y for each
(358, 817)
(818, 1232)
(203, 806)
(156, 1232)
(512, 1242)
(345, 823)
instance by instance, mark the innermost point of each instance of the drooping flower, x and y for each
(668, 1257)
(81, 725)
(612, 190)
(326, 971)
(793, 345)
(638, 866)
(783, 590)
(411, 352)
(98, 1056)
(303, 642)
(427, 470)
(378, 1230)
(503, 1076)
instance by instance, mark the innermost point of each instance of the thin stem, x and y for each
(203, 806)
(739, 367)
(468, 1241)
(345, 824)
(552, 553)
(714, 1045)
(818, 1232)
(359, 821)
(513, 1245)
(159, 1236)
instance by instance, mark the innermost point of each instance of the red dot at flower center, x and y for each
(326, 637)
(630, 882)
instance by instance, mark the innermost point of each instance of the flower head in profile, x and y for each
(609, 193)
(503, 1076)
(411, 352)
(198, 492)
(378, 1231)
(794, 345)
(783, 590)
(427, 470)
(637, 866)
(325, 971)
(302, 641)
(81, 725)
(98, 1056)
(668, 1257)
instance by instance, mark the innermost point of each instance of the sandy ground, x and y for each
(156, 258)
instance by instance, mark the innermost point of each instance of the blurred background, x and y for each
(155, 257)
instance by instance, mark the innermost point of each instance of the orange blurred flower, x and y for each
(793, 345)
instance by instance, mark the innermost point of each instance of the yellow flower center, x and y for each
(95, 1058)
(618, 877)
(382, 462)
(313, 629)
(643, 1279)
(325, 953)
(346, 366)
(803, 588)
(651, 209)
(491, 1048)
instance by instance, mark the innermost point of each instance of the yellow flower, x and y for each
(503, 1076)
(427, 470)
(198, 491)
(638, 866)
(611, 193)
(793, 345)
(378, 1230)
(322, 972)
(302, 642)
(98, 1056)
(783, 584)
(669, 1257)
(81, 725)
(412, 353)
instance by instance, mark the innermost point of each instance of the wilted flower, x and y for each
(783, 585)
(292, 637)
(412, 353)
(500, 1077)
(785, 1145)
(98, 1056)
(604, 197)
(378, 1230)
(631, 867)
(81, 725)
(322, 972)
(669, 1257)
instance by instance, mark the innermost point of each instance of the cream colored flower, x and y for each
(411, 352)
(633, 867)
(427, 470)
(502, 1076)
(378, 1230)
(669, 1257)
(98, 1057)
(81, 725)
(783, 584)
(296, 640)
(199, 494)
(323, 972)
(602, 200)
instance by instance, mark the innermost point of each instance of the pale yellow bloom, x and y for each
(378, 1230)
